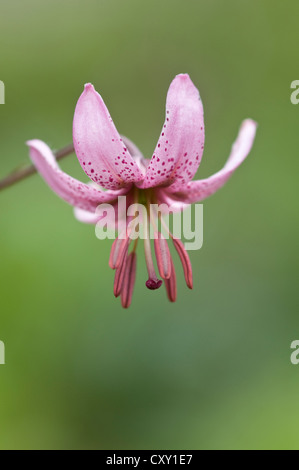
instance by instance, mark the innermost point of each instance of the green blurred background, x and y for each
(213, 370)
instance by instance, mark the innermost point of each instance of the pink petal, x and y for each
(99, 147)
(196, 191)
(71, 190)
(133, 149)
(86, 217)
(180, 146)
(115, 220)
(137, 156)
(166, 198)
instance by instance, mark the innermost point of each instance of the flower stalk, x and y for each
(22, 173)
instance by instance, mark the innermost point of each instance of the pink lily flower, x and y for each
(116, 167)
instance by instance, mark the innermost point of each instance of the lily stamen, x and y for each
(116, 252)
(163, 256)
(185, 260)
(129, 280)
(171, 285)
(120, 271)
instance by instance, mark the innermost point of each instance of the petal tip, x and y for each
(250, 122)
(36, 144)
(183, 84)
(183, 76)
(31, 143)
(89, 87)
(184, 79)
(248, 129)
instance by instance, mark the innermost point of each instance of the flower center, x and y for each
(145, 213)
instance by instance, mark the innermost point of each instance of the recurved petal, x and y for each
(86, 217)
(100, 150)
(180, 146)
(71, 190)
(196, 191)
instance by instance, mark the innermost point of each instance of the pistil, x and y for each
(153, 282)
